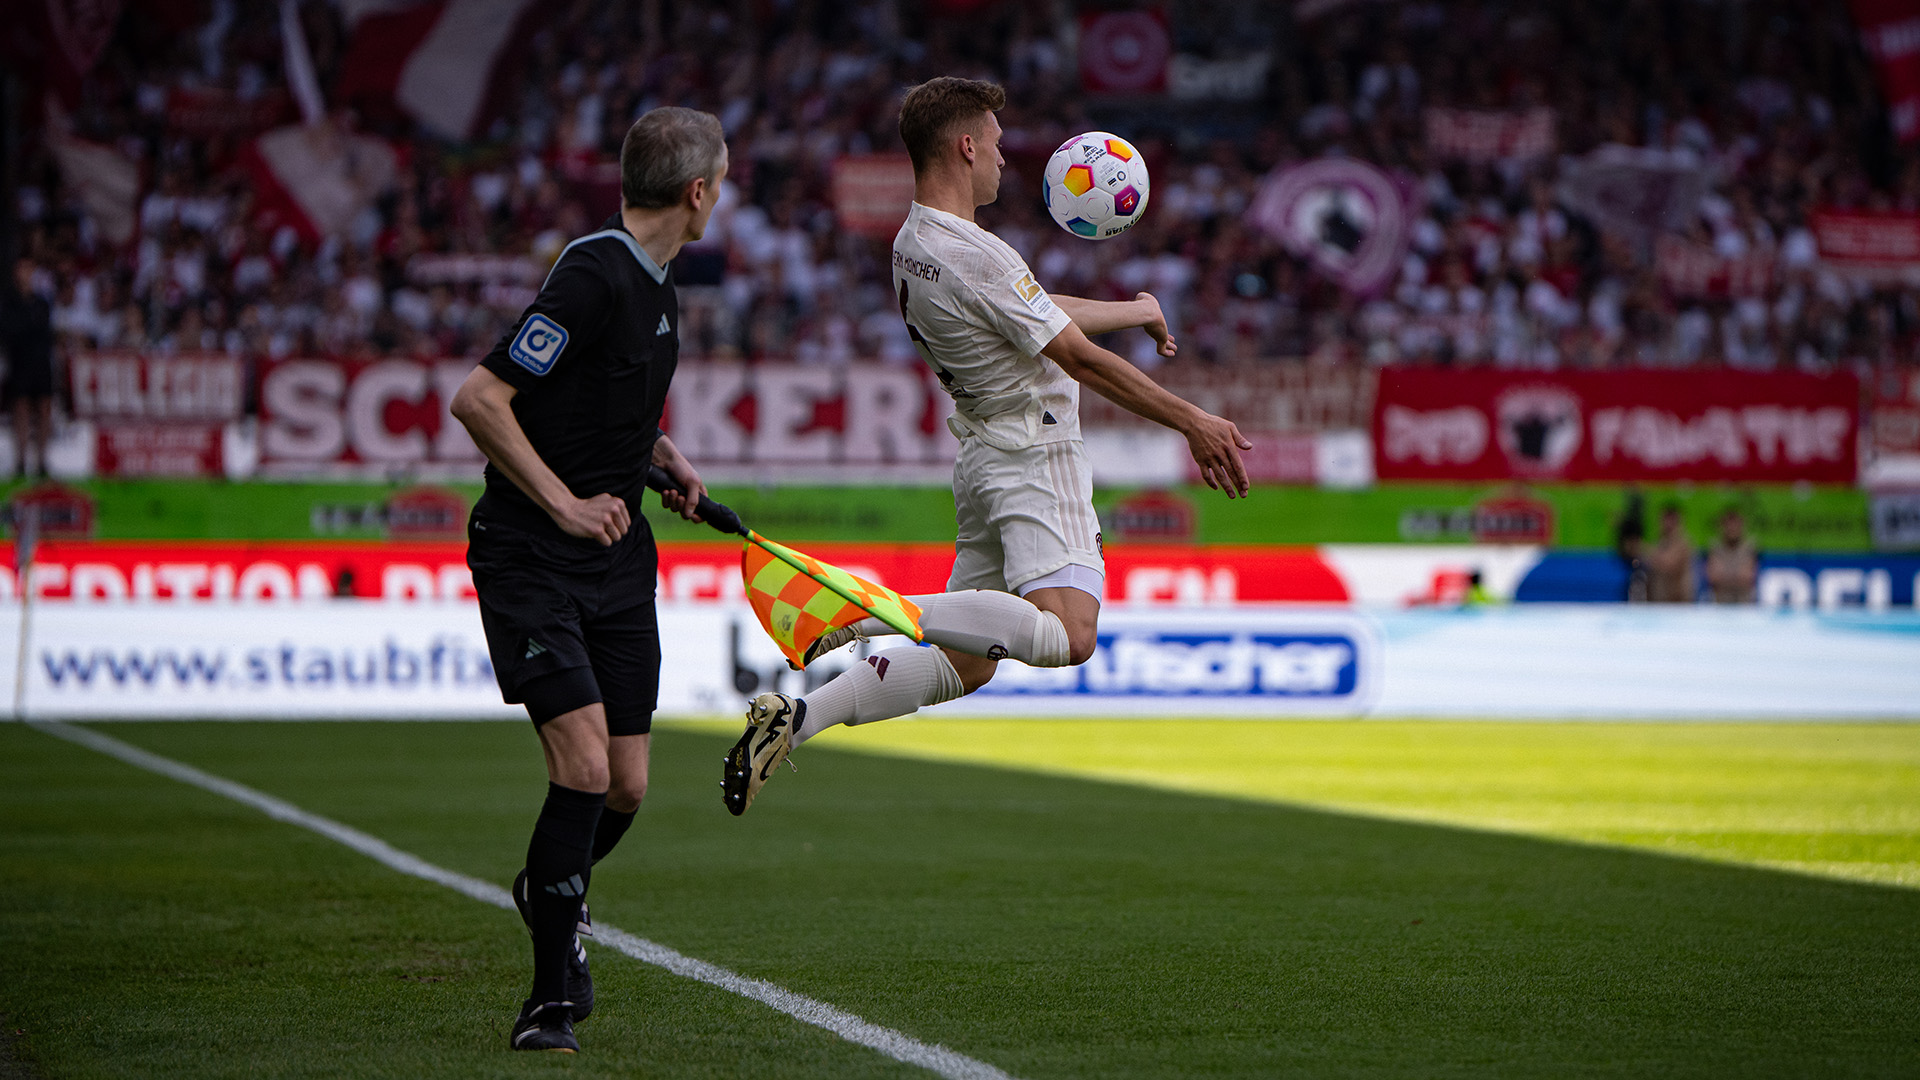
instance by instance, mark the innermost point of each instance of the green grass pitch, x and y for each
(1059, 899)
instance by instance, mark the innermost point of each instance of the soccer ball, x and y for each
(1096, 185)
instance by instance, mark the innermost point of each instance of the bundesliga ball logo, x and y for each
(1096, 185)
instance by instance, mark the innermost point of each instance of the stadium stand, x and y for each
(1771, 104)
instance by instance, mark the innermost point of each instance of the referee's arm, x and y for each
(484, 403)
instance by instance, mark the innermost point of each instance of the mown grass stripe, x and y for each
(894, 1044)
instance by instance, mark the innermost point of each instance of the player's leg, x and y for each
(898, 681)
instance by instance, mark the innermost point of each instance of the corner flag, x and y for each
(798, 597)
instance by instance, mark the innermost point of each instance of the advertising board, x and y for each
(352, 659)
(1620, 426)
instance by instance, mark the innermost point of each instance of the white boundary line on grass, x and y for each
(894, 1044)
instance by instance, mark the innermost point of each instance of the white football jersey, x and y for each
(976, 315)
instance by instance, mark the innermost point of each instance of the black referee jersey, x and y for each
(591, 360)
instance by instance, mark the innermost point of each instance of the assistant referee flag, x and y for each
(799, 598)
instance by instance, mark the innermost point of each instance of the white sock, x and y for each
(887, 684)
(981, 622)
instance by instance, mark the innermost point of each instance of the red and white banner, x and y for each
(1695, 270)
(1890, 32)
(136, 386)
(1632, 426)
(433, 60)
(1124, 52)
(1490, 134)
(792, 414)
(317, 413)
(320, 413)
(871, 193)
(1868, 241)
(133, 448)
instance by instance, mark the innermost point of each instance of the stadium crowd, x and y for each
(1775, 95)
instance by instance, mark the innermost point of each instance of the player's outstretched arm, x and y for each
(1095, 317)
(1214, 442)
(484, 404)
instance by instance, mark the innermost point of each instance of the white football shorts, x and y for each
(1025, 518)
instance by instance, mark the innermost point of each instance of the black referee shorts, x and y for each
(569, 622)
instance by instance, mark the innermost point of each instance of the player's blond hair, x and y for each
(932, 112)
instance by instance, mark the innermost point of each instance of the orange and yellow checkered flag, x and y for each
(799, 598)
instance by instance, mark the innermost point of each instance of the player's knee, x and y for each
(583, 775)
(974, 671)
(1080, 646)
(625, 795)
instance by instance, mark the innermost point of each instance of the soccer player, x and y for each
(1027, 570)
(567, 409)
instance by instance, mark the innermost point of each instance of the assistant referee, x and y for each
(567, 409)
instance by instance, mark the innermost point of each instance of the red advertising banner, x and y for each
(1639, 426)
(1890, 32)
(707, 572)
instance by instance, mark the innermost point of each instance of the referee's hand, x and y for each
(603, 518)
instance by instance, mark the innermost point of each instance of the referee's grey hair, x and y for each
(664, 151)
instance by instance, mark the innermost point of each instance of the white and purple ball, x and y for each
(1096, 185)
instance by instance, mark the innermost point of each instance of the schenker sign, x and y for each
(322, 413)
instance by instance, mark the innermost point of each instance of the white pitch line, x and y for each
(894, 1044)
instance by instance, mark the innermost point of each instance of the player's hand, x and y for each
(1216, 445)
(1156, 326)
(686, 501)
(603, 518)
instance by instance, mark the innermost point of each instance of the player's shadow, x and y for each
(1064, 927)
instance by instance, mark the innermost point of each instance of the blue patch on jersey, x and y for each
(538, 344)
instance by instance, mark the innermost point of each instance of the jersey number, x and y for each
(926, 352)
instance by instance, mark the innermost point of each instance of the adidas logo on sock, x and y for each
(534, 649)
(573, 886)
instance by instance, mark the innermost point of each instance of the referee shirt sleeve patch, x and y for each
(538, 344)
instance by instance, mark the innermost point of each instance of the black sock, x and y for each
(613, 825)
(559, 865)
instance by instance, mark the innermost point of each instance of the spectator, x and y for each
(1733, 561)
(1670, 575)
(27, 340)
(1774, 98)
(1630, 544)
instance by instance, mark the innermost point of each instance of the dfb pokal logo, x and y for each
(1539, 428)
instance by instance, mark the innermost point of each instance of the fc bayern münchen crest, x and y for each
(1348, 218)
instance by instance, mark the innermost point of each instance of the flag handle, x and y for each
(718, 515)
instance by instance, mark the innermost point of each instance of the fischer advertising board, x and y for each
(1620, 426)
(359, 659)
